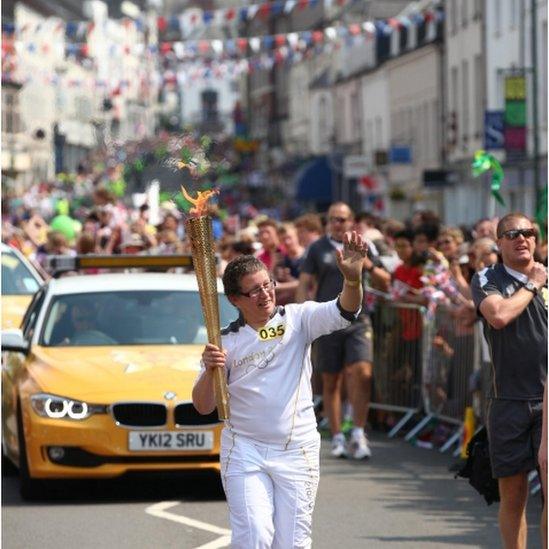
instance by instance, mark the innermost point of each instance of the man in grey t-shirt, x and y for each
(350, 349)
(512, 299)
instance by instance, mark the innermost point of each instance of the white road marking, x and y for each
(223, 541)
(160, 510)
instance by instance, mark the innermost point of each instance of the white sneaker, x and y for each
(338, 445)
(358, 446)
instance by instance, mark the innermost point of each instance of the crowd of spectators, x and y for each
(109, 226)
(419, 252)
(429, 263)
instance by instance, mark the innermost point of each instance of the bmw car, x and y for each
(98, 380)
(20, 281)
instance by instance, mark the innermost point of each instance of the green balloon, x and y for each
(64, 225)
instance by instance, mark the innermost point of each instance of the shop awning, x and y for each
(314, 181)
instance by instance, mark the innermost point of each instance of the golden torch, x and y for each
(199, 229)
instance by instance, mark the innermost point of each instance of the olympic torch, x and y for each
(199, 229)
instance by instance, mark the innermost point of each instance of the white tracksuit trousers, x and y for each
(270, 491)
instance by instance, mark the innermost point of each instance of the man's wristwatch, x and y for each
(531, 287)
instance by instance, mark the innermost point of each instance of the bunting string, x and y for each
(193, 19)
(242, 46)
(187, 61)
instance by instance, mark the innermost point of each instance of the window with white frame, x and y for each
(338, 120)
(402, 125)
(82, 107)
(543, 74)
(455, 102)
(513, 13)
(379, 133)
(452, 15)
(11, 122)
(497, 8)
(477, 6)
(465, 99)
(479, 96)
(323, 121)
(424, 137)
(355, 117)
(369, 145)
(416, 135)
(427, 111)
(435, 129)
(410, 125)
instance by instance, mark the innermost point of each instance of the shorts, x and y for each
(353, 344)
(514, 434)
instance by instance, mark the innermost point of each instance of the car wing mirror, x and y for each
(13, 340)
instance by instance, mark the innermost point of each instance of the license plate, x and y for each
(162, 441)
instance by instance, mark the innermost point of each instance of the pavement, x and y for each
(404, 497)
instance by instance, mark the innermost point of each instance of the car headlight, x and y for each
(56, 407)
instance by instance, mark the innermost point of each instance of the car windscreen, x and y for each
(17, 279)
(129, 318)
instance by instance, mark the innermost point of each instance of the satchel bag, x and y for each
(478, 469)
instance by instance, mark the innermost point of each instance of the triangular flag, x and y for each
(289, 6)
(264, 11)
(162, 24)
(252, 10)
(255, 43)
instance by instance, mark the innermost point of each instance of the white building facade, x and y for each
(414, 83)
(465, 198)
(376, 130)
(61, 87)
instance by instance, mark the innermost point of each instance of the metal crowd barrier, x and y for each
(399, 350)
(435, 366)
(451, 370)
(427, 363)
(449, 367)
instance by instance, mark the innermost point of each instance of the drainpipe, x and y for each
(535, 121)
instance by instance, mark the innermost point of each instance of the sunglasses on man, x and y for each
(513, 234)
(337, 219)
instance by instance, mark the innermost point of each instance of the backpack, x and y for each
(478, 469)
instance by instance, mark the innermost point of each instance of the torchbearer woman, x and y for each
(270, 444)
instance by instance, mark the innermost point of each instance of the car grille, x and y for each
(186, 414)
(78, 457)
(140, 414)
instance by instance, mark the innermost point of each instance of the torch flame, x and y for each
(200, 202)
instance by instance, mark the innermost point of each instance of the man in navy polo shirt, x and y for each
(512, 298)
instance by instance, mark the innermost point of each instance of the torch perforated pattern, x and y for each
(199, 230)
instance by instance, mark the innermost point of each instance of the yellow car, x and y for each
(20, 281)
(98, 380)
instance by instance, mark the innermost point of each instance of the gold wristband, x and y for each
(352, 283)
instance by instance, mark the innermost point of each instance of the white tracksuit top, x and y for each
(269, 372)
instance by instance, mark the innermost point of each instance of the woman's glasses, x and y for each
(256, 292)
